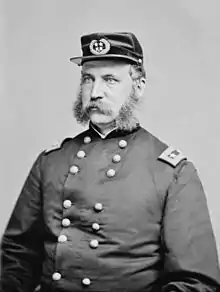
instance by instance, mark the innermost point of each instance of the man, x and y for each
(114, 208)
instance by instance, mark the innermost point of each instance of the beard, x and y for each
(126, 119)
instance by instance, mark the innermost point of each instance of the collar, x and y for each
(103, 136)
(115, 132)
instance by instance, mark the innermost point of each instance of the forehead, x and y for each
(106, 67)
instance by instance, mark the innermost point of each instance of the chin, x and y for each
(97, 118)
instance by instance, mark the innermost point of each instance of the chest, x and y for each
(120, 179)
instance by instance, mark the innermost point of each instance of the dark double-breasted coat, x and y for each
(113, 214)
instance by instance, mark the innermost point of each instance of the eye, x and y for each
(111, 80)
(86, 79)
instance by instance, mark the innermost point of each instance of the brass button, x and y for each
(87, 140)
(95, 226)
(74, 169)
(67, 204)
(94, 243)
(56, 276)
(86, 281)
(122, 143)
(66, 222)
(116, 158)
(98, 207)
(110, 172)
(62, 238)
(81, 154)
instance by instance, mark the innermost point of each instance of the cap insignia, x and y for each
(99, 47)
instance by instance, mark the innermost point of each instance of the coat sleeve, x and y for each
(190, 254)
(22, 243)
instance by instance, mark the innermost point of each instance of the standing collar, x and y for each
(103, 136)
(115, 132)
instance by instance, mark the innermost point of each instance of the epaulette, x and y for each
(57, 146)
(172, 156)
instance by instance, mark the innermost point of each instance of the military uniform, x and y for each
(123, 213)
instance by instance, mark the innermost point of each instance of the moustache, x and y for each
(99, 107)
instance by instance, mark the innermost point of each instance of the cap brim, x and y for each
(80, 60)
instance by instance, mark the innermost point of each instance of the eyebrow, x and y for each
(110, 75)
(83, 74)
(86, 74)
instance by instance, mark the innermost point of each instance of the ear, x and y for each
(140, 86)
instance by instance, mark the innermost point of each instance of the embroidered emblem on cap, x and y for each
(99, 47)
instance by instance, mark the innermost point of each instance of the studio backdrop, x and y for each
(38, 84)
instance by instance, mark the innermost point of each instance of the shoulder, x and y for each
(172, 156)
(57, 146)
(65, 143)
(162, 152)
(152, 144)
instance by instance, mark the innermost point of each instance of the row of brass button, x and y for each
(98, 206)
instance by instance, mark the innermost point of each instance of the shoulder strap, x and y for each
(172, 156)
(57, 146)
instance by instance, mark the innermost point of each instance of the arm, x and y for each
(190, 256)
(22, 243)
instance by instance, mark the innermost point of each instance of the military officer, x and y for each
(114, 208)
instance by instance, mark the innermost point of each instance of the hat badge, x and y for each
(99, 47)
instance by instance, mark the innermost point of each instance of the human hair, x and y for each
(137, 72)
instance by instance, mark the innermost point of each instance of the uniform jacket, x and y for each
(110, 215)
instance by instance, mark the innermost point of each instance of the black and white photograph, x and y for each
(110, 156)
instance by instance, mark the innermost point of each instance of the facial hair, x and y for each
(127, 117)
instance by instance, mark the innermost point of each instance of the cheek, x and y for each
(116, 105)
(86, 93)
(120, 98)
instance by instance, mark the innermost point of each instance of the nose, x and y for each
(97, 91)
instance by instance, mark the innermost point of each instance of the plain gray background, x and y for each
(181, 41)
